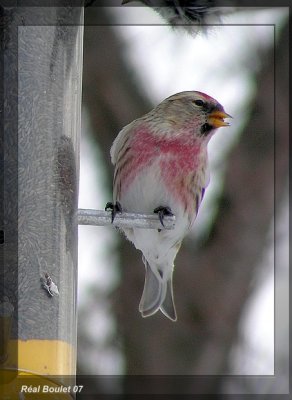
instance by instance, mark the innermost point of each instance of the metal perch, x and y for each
(124, 220)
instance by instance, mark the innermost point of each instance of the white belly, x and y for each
(145, 193)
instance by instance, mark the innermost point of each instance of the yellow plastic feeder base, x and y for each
(38, 369)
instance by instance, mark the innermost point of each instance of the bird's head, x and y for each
(192, 111)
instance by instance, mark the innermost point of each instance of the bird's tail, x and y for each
(157, 293)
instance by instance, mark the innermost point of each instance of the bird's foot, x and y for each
(163, 211)
(114, 208)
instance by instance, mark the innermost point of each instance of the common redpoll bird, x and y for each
(161, 166)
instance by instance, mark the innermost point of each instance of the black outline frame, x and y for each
(150, 383)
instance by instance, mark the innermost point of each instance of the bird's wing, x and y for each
(120, 143)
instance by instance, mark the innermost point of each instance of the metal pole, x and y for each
(42, 113)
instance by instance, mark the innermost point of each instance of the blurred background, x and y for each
(224, 280)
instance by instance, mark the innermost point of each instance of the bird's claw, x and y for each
(114, 208)
(163, 211)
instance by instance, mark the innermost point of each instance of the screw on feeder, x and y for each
(49, 285)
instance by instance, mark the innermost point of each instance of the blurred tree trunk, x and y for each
(212, 282)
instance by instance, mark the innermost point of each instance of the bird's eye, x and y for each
(199, 103)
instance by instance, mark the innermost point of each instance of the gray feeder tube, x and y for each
(46, 45)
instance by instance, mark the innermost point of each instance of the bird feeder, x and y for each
(41, 67)
(41, 115)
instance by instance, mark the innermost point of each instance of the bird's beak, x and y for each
(216, 119)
